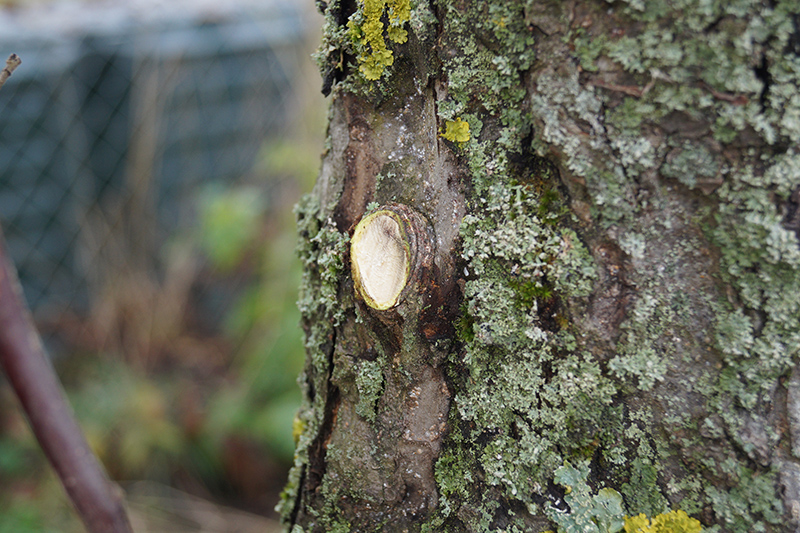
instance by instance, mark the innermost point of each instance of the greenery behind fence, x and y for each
(148, 174)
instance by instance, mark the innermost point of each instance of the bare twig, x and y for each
(12, 63)
(96, 498)
(631, 90)
(735, 99)
(638, 92)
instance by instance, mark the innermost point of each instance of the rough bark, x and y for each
(609, 323)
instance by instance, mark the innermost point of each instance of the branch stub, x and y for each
(389, 249)
(380, 257)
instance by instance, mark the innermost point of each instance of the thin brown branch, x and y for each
(735, 99)
(631, 90)
(12, 63)
(97, 500)
(638, 92)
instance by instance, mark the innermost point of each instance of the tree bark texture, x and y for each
(606, 320)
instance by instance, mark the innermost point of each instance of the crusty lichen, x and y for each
(523, 374)
(365, 43)
(738, 80)
(650, 135)
(528, 398)
(735, 82)
(369, 381)
(671, 522)
(321, 248)
(761, 259)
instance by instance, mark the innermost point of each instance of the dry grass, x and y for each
(156, 508)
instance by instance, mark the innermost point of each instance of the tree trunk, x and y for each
(592, 317)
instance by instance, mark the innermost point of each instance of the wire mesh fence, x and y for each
(118, 117)
(127, 128)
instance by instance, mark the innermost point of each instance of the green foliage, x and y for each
(32, 500)
(129, 422)
(229, 222)
(21, 519)
(50, 512)
(261, 402)
(15, 457)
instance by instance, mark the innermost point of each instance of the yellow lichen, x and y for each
(636, 524)
(671, 522)
(366, 30)
(298, 428)
(456, 130)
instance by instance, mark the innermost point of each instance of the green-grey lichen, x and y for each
(329, 518)
(641, 355)
(706, 60)
(692, 163)
(703, 63)
(728, 68)
(603, 512)
(498, 69)
(369, 381)
(761, 259)
(529, 396)
(746, 507)
(321, 248)
(641, 491)
(596, 513)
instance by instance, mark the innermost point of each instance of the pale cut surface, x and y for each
(380, 260)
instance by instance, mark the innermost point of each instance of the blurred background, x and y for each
(151, 152)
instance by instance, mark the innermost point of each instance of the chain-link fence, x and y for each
(150, 152)
(118, 116)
